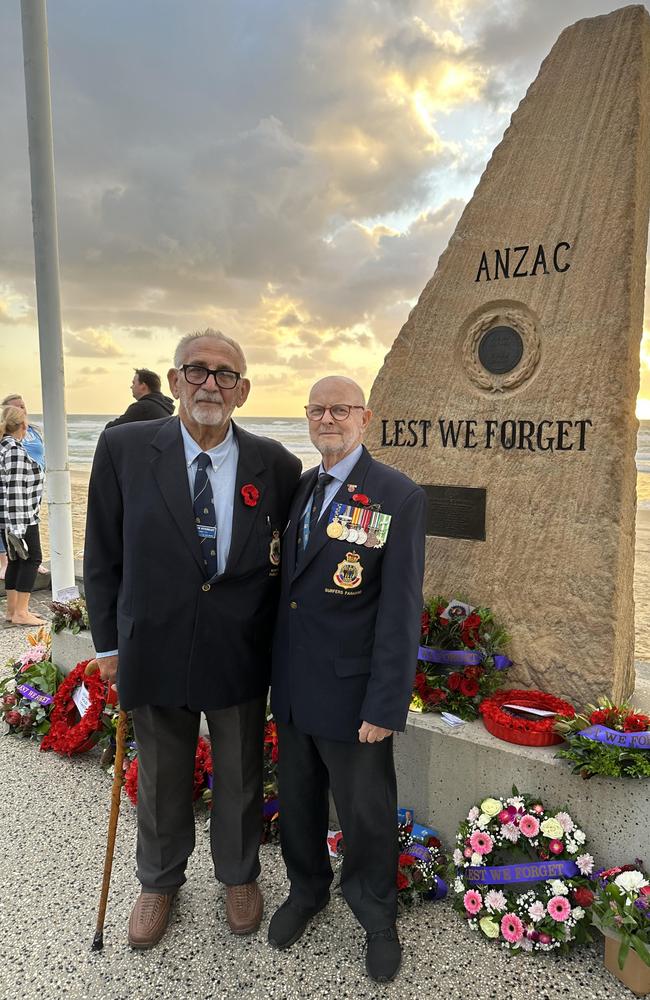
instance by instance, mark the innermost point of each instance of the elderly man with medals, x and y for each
(344, 657)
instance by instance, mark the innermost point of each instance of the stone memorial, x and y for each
(510, 392)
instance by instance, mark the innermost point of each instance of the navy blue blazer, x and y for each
(182, 640)
(345, 654)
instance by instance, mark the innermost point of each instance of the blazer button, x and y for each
(293, 605)
(206, 587)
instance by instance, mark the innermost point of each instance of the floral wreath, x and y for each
(202, 773)
(460, 658)
(420, 868)
(530, 732)
(552, 864)
(595, 745)
(68, 733)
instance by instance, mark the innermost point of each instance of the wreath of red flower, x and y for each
(250, 494)
(202, 769)
(68, 733)
(527, 732)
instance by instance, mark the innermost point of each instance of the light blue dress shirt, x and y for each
(222, 473)
(341, 474)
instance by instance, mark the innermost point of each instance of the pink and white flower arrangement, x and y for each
(517, 841)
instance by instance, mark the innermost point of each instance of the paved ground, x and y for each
(52, 831)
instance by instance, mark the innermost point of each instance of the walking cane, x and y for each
(118, 780)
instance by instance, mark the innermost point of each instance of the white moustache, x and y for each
(208, 397)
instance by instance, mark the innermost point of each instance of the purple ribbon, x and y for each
(439, 891)
(34, 694)
(418, 851)
(612, 738)
(460, 657)
(270, 808)
(528, 871)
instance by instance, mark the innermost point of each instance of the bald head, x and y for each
(337, 434)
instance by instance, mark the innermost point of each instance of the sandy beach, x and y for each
(641, 570)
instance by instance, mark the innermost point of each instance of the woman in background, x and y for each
(21, 491)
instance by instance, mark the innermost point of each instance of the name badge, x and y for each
(206, 530)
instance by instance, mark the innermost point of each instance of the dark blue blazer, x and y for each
(343, 656)
(182, 640)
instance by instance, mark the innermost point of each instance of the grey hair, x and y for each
(7, 400)
(215, 335)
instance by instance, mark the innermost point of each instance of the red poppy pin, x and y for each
(361, 498)
(250, 494)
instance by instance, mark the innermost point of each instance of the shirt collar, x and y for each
(342, 469)
(217, 454)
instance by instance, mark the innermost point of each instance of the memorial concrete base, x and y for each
(69, 649)
(442, 773)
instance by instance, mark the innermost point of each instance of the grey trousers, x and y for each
(166, 739)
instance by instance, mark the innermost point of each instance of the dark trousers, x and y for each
(362, 779)
(21, 573)
(166, 739)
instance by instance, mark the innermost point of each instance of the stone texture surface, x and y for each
(557, 562)
(442, 773)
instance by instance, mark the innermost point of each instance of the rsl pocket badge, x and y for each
(348, 572)
(274, 549)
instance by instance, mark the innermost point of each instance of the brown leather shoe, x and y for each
(149, 919)
(244, 907)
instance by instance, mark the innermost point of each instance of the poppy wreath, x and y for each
(460, 659)
(608, 739)
(522, 874)
(529, 732)
(202, 773)
(69, 733)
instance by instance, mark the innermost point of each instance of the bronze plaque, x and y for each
(456, 512)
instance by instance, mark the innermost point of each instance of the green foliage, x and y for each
(624, 913)
(589, 758)
(72, 615)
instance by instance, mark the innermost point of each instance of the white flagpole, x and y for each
(46, 256)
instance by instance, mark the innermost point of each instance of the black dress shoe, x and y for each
(289, 921)
(383, 955)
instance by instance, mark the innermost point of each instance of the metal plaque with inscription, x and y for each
(500, 350)
(456, 512)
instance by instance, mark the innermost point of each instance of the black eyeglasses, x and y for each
(340, 411)
(198, 375)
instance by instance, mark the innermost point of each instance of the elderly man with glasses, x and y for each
(181, 574)
(344, 657)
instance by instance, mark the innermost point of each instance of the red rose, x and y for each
(583, 896)
(361, 498)
(250, 494)
(598, 717)
(635, 723)
(402, 881)
(472, 621)
(469, 687)
(406, 860)
(13, 718)
(454, 681)
(435, 695)
(473, 672)
(432, 842)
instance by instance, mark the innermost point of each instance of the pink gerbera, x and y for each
(529, 826)
(512, 928)
(473, 901)
(559, 908)
(481, 842)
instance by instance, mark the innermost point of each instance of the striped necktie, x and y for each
(205, 515)
(306, 531)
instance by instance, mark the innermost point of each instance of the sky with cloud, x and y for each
(288, 172)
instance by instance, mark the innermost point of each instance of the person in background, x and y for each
(150, 404)
(344, 655)
(35, 448)
(21, 491)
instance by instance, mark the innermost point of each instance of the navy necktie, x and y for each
(316, 506)
(205, 515)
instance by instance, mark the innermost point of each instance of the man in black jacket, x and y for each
(150, 404)
(181, 574)
(344, 658)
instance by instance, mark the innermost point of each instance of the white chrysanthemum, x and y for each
(510, 832)
(585, 864)
(579, 836)
(565, 821)
(571, 846)
(473, 814)
(476, 859)
(536, 910)
(495, 901)
(458, 857)
(630, 881)
(577, 913)
(558, 888)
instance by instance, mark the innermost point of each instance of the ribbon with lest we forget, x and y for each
(613, 738)
(460, 657)
(537, 871)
